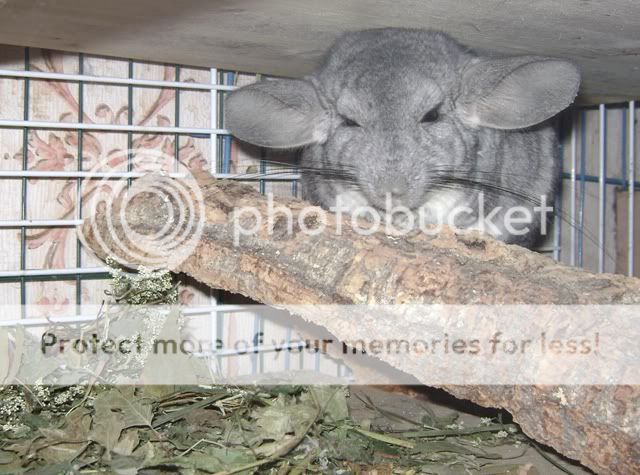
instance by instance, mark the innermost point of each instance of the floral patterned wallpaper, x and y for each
(67, 150)
(58, 150)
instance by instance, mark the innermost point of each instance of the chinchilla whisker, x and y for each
(455, 183)
(306, 167)
(467, 182)
(328, 173)
(475, 172)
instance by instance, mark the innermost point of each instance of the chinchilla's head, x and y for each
(392, 107)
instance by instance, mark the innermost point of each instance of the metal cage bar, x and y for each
(24, 191)
(572, 177)
(214, 295)
(36, 124)
(220, 155)
(557, 205)
(631, 175)
(113, 80)
(80, 156)
(602, 191)
(583, 165)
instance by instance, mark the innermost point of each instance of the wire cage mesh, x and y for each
(60, 111)
(596, 216)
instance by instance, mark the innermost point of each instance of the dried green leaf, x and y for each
(129, 440)
(342, 444)
(7, 457)
(134, 411)
(125, 465)
(439, 446)
(107, 427)
(53, 469)
(215, 460)
(441, 468)
(387, 439)
(77, 425)
(158, 392)
(180, 413)
(509, 469)
(13, 469)
(62, 453)
(332, 400)
(145, 451)
(276, 420)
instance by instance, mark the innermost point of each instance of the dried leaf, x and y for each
(510, 469)
(53, 469)
(107, 428)
(439, 446)
(76, 427)
(129, 440)
(180, 413)
(332, 400)
(7, 457)
(214, 461)
(276, 420)
(122, 465)
(387, 439)
(157, 392)
(133, 411)
(343, 444)
(62, 453)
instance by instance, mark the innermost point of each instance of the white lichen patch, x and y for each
(559, 394)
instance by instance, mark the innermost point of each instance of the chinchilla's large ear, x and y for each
(513, 93)
(283, 113)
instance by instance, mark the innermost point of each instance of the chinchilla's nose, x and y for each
(399, 147)
(396, 186)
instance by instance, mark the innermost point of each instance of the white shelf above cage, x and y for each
(288, 37)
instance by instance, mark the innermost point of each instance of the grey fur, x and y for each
(492, 133)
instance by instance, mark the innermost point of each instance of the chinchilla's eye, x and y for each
(430, 116)
(349, 122)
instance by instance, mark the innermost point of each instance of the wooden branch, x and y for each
(346, 268)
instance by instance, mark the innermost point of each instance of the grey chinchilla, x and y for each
(414, 117)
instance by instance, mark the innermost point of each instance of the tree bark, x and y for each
(283, 268)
